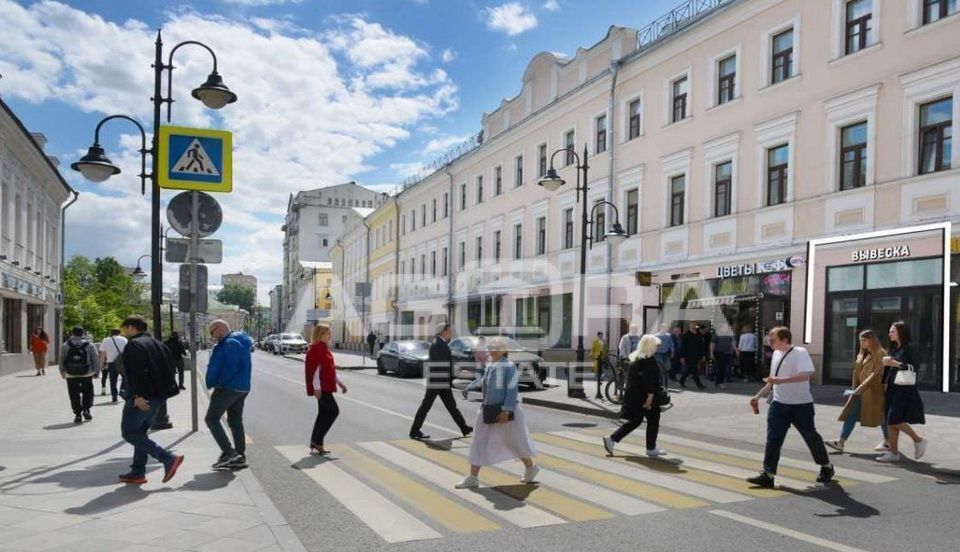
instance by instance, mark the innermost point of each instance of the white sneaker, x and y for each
(469, 482)
(530, 474)
(888, 457)
(919, 449)
(665, 407)
(836, 445)
(608, 444)
(882, 447)
(653, 453)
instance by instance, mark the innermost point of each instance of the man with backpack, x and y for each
(149, 380)
(79, 364)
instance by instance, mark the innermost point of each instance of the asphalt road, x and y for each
(912, 512)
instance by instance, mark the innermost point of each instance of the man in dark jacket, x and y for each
(79, 364)
(439, 372)
(228, 375)
(177, 352)
(149, 381)
(691, 353)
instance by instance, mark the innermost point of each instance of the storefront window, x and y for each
(777, 284)
(11, 325)
(845, 278)
(923, 272)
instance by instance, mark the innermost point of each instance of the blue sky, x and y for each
(329, 91)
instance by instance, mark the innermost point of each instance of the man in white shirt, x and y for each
(790, 373)
(110, 349)
(747, 352)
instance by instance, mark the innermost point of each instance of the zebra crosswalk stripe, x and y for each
(601, 496)
(488, 500)
(560, 504)
(692, 463)
(385, 518)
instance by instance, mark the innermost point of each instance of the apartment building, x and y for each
(248, 281)
(743, 144)
(32, 193)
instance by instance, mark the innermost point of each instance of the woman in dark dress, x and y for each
(904, 405)
(639, 402)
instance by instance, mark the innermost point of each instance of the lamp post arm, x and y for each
(565, 150)
(143, 146)
(169, 67)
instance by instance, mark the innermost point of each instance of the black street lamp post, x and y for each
(95, 165)
(552, 182)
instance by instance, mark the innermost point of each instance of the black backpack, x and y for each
(75, 361)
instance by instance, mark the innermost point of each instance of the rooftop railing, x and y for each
(678, 18)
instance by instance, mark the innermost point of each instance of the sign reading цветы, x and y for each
(878, 253)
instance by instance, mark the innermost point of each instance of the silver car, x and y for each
(289, 343)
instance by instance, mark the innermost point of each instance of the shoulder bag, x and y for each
(906, 375)
(777, 372)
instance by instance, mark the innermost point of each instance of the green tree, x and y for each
(234, 294)
(99, 294)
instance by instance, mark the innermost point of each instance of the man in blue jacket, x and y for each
(228, 374)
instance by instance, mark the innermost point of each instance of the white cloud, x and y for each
(511, 18)
(262, 2)
(312, 110)
(448, 55)
(406, 170)
(551, 5)
(441, 144)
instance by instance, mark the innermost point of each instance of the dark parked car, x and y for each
(529, 363)
(406, 358)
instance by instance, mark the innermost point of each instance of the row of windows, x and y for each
(337, 202)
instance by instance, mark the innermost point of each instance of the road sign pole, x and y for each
(194, 239)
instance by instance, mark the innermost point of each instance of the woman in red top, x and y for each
(322, 382)
(39, 343)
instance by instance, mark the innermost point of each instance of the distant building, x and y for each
(248, 281)
(32, 194)
(276, 306)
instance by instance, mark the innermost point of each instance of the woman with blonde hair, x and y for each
(639, 402)
(322, 383)
(501, 432)
(867, 404)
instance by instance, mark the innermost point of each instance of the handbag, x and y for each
(906, 375)
(491, 411)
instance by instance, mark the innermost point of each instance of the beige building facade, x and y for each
(729, 142)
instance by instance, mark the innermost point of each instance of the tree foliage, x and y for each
(99, 294)
(235, 294)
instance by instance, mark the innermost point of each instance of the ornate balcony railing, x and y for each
(678, 18)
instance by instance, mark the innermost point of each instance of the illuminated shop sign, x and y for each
(880, 253)
(759, 267)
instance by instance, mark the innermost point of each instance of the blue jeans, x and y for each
(134, 426)
(780, 417)
(231, 402)
(853, 416)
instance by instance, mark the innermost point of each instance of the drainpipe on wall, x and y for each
(447, 170)
(396, 272)
(612, 148)
(363, 304)
(63, 256)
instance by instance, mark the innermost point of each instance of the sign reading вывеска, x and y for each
(878, 253)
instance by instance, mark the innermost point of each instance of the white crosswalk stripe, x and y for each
(388, 520)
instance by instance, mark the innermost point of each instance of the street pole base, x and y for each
(576, 394)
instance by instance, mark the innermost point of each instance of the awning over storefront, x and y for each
(719, 301)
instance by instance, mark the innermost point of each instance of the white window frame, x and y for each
(523, 168)
(766, 53)
(323, 219)
(546, 148)
(477, 183)
(715, 77)
(672, 165)
(563, 141)
(773, 133)
(593, 125)
(838, 39)
(915, 16)
(843, 111)
(717, 152)
(625, 109)
(920, 87)
(668, 95)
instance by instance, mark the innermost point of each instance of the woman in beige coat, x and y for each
(866, 404)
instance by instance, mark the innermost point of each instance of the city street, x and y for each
(398, 494)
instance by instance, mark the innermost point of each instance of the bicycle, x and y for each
(614, 388)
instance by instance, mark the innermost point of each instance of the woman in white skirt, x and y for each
(500, 432)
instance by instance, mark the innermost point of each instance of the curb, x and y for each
(576, 408)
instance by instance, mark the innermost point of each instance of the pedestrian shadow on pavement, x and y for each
(209, 481)
(36, 472)
(943, 476)
(65, 425)
(835, 495)
(96, 475)
(441, 444)
(581, 425)
(671, 466)
(121, 496)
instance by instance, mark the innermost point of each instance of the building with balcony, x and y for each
(745, 144)
(32, 195)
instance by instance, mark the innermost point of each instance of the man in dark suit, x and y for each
(439, 372)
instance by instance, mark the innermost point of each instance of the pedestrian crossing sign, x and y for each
(195, 159)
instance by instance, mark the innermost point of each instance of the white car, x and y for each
(289, 343)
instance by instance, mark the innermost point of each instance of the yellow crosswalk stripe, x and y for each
(723, 458)
(391, 522)
(622, 484)
(563, 505)
(490, 501)
(660, 466)
(448, 512)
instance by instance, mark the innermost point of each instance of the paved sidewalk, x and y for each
(59, 489)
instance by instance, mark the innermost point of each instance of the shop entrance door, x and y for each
(850, 313)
